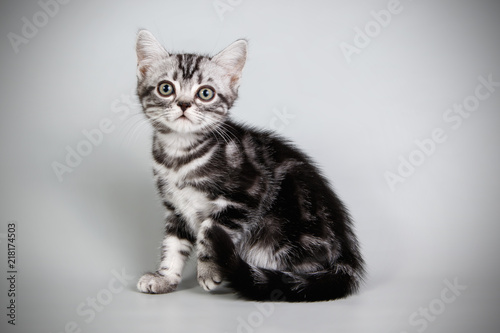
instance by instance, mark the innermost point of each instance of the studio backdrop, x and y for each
(397, 101)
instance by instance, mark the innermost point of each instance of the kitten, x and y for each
(259, 213)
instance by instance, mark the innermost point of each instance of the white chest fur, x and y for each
(192, 204)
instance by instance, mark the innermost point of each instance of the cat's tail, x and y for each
(261, 284)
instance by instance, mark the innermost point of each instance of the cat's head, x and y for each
(187, 93)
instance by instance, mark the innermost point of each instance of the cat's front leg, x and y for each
(176, 248)
(209, 275)
(175, 252)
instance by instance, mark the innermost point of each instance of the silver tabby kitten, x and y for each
(257, 210)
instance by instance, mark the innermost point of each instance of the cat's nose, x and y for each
(183, 105)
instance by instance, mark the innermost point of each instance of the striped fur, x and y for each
(258, 211)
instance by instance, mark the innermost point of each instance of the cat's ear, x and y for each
(233, 58)
(148, 51)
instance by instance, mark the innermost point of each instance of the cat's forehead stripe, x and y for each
(188, 64)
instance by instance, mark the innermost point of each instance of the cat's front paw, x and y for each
(154, 283)
(209, 277)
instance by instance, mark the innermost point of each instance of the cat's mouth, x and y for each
(184, 118)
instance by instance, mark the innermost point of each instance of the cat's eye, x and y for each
(166, 88)
(206, 93)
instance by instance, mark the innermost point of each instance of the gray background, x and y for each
(356, 119)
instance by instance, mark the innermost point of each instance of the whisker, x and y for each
(217, 131)
(134, 126)
(218, 128)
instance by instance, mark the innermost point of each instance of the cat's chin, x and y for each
(185, 126)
